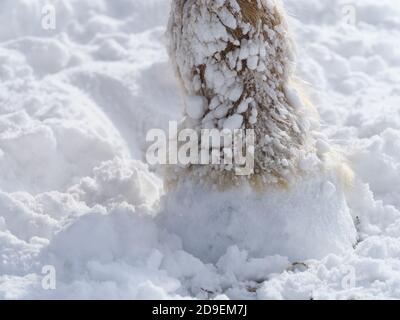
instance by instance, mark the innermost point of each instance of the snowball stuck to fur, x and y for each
(233, 122)
(195, 106)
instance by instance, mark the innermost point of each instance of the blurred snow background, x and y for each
(76, 103)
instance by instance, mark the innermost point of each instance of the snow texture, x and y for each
(75, 106)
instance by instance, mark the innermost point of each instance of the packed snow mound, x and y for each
(75, 106)
(309, 220)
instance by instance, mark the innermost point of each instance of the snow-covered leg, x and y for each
(235, 61)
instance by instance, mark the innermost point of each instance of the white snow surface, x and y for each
(75, 106)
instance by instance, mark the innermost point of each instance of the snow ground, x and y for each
(75, 105)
